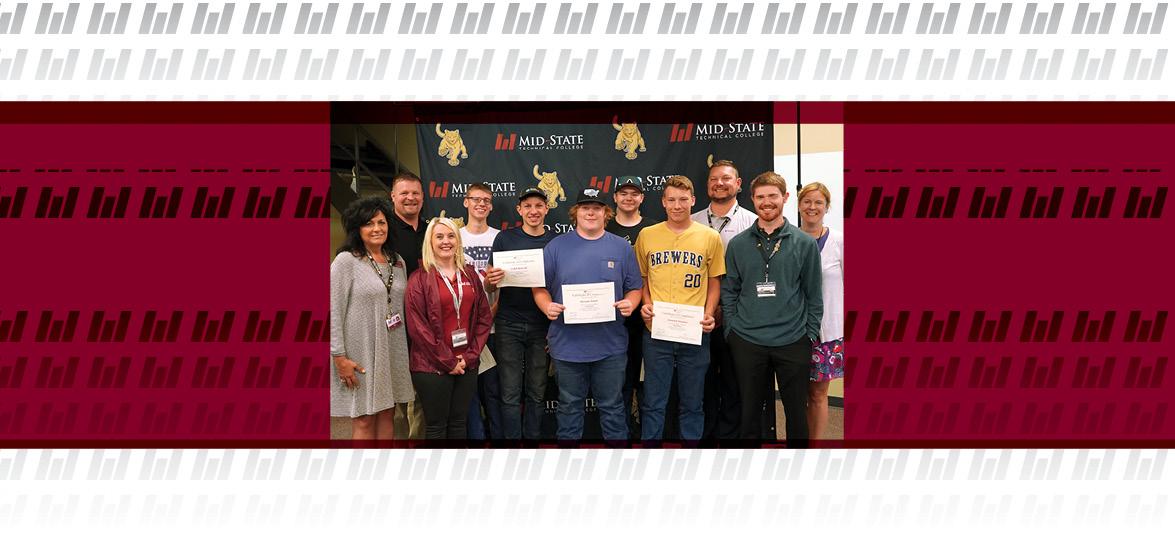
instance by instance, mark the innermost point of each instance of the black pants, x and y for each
(721, 398)
(632, 372)
(445, 399)
(790, 363)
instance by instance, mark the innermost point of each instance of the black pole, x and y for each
(799, 164)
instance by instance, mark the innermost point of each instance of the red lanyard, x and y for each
(457, 294)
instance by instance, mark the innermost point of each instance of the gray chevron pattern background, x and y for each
(219, 487)
(405, 50)
(585, 50)
(584, 465)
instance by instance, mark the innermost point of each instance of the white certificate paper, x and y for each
(677, 323)
(486, 361)
(589, 303)
(524, 268)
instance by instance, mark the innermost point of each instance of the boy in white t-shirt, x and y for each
(477, 239)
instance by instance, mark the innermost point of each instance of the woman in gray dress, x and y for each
(368, 341)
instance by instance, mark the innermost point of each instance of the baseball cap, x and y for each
(589, 195)
(532, 192)
(630, 181)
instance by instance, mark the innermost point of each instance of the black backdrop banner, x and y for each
(563, 159)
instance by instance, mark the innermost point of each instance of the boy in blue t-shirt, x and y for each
(589, 355)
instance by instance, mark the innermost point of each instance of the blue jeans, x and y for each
(522, 357)
(605, 379)
(691, 362)
(474, 427)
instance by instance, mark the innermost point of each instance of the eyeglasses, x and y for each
(479, 200)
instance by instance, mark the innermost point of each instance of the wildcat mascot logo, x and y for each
(549, 184)
(451, 145)
(628, 138)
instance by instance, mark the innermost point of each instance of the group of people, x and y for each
(418, 309)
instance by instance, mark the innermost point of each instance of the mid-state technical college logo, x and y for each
(549, 142)
(438, 190)
(451, 145)
(604, 184)
(549, 184)
(681, 132)
(446, 190)
(628, 138)
(701, 132)
(656, 182)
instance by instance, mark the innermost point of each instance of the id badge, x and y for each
(394, 321)
(765, 289)
(459, 338)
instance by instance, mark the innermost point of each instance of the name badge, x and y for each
(394, 321)
(765, 289)
(459, 338)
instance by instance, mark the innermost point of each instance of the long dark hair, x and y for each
(359, 213)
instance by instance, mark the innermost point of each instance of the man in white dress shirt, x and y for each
(728, 218)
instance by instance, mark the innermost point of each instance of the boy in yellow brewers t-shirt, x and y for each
(681, 262)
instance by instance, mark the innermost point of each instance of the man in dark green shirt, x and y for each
(771, 300)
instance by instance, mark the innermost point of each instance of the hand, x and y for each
(494, 276)
(460, 368)
(625, 307)
(718, 317)
(346, 369)
(647, 313)
(708, 323)
(553, 310)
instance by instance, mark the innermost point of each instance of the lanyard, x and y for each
(725, 221)
(456, 294)
(388, 283)
(767, 258)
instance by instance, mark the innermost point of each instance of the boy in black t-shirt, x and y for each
(520, 328)
(627, 224)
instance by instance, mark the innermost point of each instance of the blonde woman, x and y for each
(448, 324)
(828, 354)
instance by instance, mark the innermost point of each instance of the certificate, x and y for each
(589, 303)
(486, 361)
(524, 268)
(677, 323)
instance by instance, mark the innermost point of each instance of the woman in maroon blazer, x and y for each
(448, 325)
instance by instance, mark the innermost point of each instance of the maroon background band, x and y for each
(165, 280)
(166, 272)
(1009, 285)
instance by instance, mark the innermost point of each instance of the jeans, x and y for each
(474, 426)
(522, 357)
(445, 400)
(488, 398)
(690, 362)
(604, 379)
(755, 364)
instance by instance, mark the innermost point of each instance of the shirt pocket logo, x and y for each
(608, 270)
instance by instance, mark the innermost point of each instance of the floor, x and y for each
(340, 428)
(836, 421)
